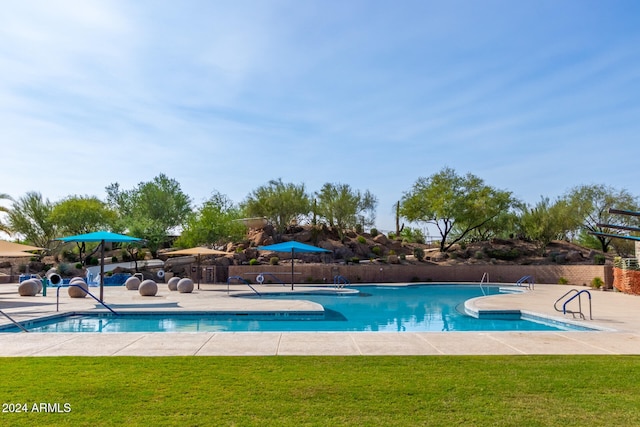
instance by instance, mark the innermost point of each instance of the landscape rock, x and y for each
(28, 288)
(172, 284)
(185, 286)
(78, 292)
(132, 283)
(148, 288)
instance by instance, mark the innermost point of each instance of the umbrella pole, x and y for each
(101, 270)
(199, 271)
(291, 268)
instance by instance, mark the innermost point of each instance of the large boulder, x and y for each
(148, 288)
(172, 284)
(185, 286)
(381, 239)
(132, 283)
(29, 288)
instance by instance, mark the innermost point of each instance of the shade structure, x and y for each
(13, 247)
(14, 254)
(101, 237)
(198, 252)
(293, 247)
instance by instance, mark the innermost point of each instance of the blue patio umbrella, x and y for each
(293, 247)
(101, 237)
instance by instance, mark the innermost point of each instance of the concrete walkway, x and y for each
(618, 316)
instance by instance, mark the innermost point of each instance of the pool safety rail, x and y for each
(261, 277)
(241, 279)
(19, 325)
(340, 281)
(570, 296)
(87, 292)
(526, 281)
(484, 280)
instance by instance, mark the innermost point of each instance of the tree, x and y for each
(592, 204)
(280, 203)
(215, 222)
(3, 209)
(30, 216)
(150, 210)
(344, 208)
(546, 222)
(452, 202)
(80, 215)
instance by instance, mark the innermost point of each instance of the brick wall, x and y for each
(363, 273)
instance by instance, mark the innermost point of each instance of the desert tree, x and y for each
(213, 223)
(82, 214)
(456, 205)
(30, 217)
(280, 203)
(150, 210)
(592, 203)
(343, 208)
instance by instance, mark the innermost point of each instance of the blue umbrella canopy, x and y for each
(101, 237)
(292, 247)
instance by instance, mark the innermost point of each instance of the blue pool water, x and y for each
(420, 308)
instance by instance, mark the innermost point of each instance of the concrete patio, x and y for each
(616, 314)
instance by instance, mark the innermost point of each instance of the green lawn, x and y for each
(323, 391)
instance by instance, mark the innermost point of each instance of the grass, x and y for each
(325, 391)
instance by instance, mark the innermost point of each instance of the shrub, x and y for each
(274, 260)
(403, 257)
(79, 266)
(479, 255)
(563, 281)
(94, 261)
(355, 260)
(358, 228)
(374, 232)
(391, 235)
(504, 254)
(377, 250)
(361, 240)
(418, 253)
(114, 259)
(597, 282)
(599, 259)
(253, 261)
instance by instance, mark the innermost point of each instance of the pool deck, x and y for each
(616, 314)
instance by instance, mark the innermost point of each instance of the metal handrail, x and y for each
(13, 321)
(243, 281)
(275, 277)
(88, 293)
(528, 280)
(485, 275)
(577, 295)
(340, 280)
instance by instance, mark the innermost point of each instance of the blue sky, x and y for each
(534, 97)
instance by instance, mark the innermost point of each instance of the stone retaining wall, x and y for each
(364, 273)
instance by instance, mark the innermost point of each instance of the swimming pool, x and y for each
(418, 308)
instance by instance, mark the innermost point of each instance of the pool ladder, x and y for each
(485, 279)
(568, 298)
(340, 281)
